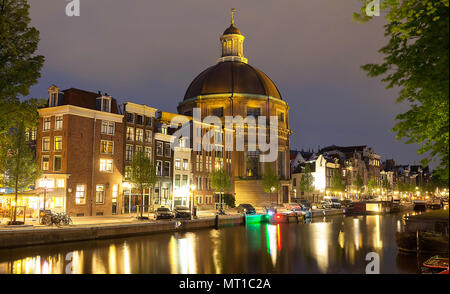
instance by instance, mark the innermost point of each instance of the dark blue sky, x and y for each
(149, 51)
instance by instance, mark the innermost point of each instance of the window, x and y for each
(139, 135)
(104, 104)
(129, 152)
(159, 168)
(208, 199)
(148, 136)
(167, 149)
(199, 199)
(139, 119)
(138, 148)
(45, 162)
(148, 152)
(177, 182)
(57, 163)
(166, 171)
(130, 118)
(252, 161)
(60, 183)
(130, 133)
(253, 111)
(80, 196)
(106, 147)
(177, 163)
(185, 164)
(148, 121)
(127, 172)
(100, 194)
(106, 165)
(164, 130)
(115, 193)
(281, 116)
(184, 182)
(46, 144)
(58, 122)
(53, 100)
(58, 143)
(108, 127)
(159, 148)
(46, 124)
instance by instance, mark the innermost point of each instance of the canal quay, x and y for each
(331, 244)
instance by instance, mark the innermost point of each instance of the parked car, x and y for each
(246, 208)
(346, 203)
(182, 212)
(333, 202)
(163, 213)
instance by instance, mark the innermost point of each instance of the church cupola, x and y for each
(232, 42)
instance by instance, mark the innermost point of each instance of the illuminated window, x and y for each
(130, 133)
(129, 152)
(177, 163)
(185, 164)
(58, 201)
(80, 195)
(184, 181)
(58, 122)
(115, 193)
(58, 143)
(100, 194)
(177, 182)
(46, 144)
(127, 172)
(46, 124)
(107, 147)
(139, 135)
(60, 183)
(45, 162)
(106, 165)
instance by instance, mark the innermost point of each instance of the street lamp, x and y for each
(191, 202)
(272, 189)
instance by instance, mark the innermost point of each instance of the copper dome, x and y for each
(232, 77)
(232, 30)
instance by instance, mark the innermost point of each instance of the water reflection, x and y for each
(330, 245)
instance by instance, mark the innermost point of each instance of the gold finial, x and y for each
(232, 15)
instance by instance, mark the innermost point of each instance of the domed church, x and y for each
(232, 87)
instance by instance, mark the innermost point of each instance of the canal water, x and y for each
(330, 245)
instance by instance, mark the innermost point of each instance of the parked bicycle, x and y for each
(59, 219)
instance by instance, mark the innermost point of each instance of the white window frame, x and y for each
(80, 195)
(58, 123)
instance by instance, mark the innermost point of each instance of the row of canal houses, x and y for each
(84, 146)
(350, 161)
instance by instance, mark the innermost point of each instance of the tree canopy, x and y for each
(307, 180)
(336, 182)
(270, 180)
(142, 173)
(416, 61)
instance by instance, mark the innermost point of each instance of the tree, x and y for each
(19, 67)
(270, 180)
(337, 183)
(18, 162)
(416, 60)
(372, 185)
(143, 175)
(386, 186)
(307, 180)
(220, 182)
(358, 183)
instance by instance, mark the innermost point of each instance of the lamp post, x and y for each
(191, 200)
(272, 189)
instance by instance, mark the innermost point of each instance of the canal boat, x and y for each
(436, 262)
(434, 203)
(420, 205)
